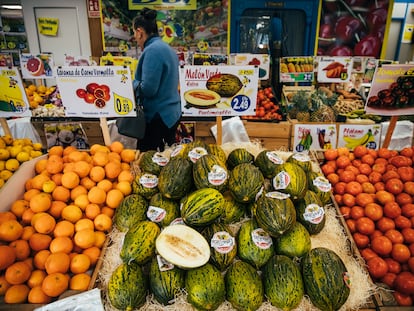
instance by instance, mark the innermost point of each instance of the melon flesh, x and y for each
(183, 246)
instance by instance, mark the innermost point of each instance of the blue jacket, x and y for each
(158, 76)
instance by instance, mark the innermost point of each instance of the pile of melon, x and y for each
(229, 227)
(374, 190)
(52, 237)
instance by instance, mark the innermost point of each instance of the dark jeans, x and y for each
(157, 135)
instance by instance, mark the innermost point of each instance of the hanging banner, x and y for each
(218, 90)
(296, 69)
(13, 98)
(334, 69)
(392, 91)
(39, 66)
(163, 4)
(96, 91)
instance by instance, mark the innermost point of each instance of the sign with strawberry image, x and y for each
(96, 91)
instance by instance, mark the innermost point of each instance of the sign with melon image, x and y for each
(96, 91)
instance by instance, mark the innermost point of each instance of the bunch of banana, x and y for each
(351, 143)
(360, 114)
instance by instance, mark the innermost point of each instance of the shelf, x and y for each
(10, 33)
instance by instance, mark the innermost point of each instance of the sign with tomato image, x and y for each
(13, 99)
(96, 91)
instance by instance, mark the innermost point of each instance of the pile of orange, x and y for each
(52, 237)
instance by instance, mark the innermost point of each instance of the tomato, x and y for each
(330, 154)
(367, 253)
(407, 210)
(89, 98)
(365, 225)
(402, 222)
(410, 263)
(353, 187)
(400, 252)
(404, 283)
(339, 187)
(394, 235)
(346, 176)
(379, 167)
(389, 279)
(372, 210)
(394, 186)
(343, 161)
(385, 224)
(409, 187)
(345, 211)
(390, 174)
(351, 224)
(408, 234)
(368, 159)
(384, 153)
(338, 199)
(401, 299)
(375, 177)
(348, 200)
(381, 245)
(361, 240)
(91, 87)
(357, 212)
(384, 196)
(379, 186)
(333, 178)
(360, 151)
(399, 161)
(406, 173)
(392, 210)
(393, 265)
(80, 93)
(377, 267)
(363, 199)
(105, 88)
(374, 234)
(361, 178)
(407, 152)
(368, 187)
(403, 198)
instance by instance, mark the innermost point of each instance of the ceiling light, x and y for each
(11, 7)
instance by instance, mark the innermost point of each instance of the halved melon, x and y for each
(201, 98)
(183, 246)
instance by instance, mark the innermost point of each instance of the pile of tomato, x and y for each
(267, 106)
(374, 190)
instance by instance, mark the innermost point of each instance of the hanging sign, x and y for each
(314, 137)
(392, 91)
(260, 60)
(48, 26)
(218, 90)
(39, 66)
(162, 4)
(296, 69)
(96, 91)
(352, 135)
(13, 99)
(334, 69)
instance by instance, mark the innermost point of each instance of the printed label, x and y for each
(274, 157)
(277, 195)
(217, 176)
(301, 156)
(314, 213)
(156, 214)
(261, 238)
(159, 159)
(197, 153)
(163, 264)
(259, 193)
(177, 221)
(281, 180)
(322, 184)
(149, 180)
(222, 242)
(177, 150)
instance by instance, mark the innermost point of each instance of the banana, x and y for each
(351, 143)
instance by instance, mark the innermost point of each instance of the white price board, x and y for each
(13, 98)
(334, 69)
(352, 135)
(208, 91)
(96, 91)
(314, 137)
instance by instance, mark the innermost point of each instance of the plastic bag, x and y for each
(233, 131)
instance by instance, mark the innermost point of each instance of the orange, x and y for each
(80, 263)
(113, 156)
(36, 278)
(56, 150)
(45, 223)
(30, 193)
(22, 249)
(125, 166)
(39, 259)
(8, 256)
(40, 165)
(54, 164)
(97, 195)
(57, 178)
(100, 238)
(61, 193)
(108, 211)
(128, 155)
(36, 295)
(68, 149)
(105, 184)
(39, 241)
(92, 210)
(80, 282)
(125, 187)
(4, 285)
(40, 202)
(82, 168)
(10, 230)
(70, 180)
(87, 182)
(57, 262)
(18, 207)
(36, 216)
(78, 190)
(84, 238)
(68, 167)
(112, 169)
(64, 228)
(29, 261)
(17, 273)
(27, 232)
(125, 175)
(8, 215)
(114, 197)
(17, 294)
(116, 146)
(97, 173)
(100, 158)
(55, 284)
(76, 156)
(94, 148)
(84, 223)
(62, 244)
(72, 213)
(27, 216)
(56, 208)
(103, 222)
(82, 201)
(38, 180)
(93, 253)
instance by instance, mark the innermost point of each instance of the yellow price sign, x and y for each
(122, 105)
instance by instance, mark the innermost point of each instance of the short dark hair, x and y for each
(147, 19)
